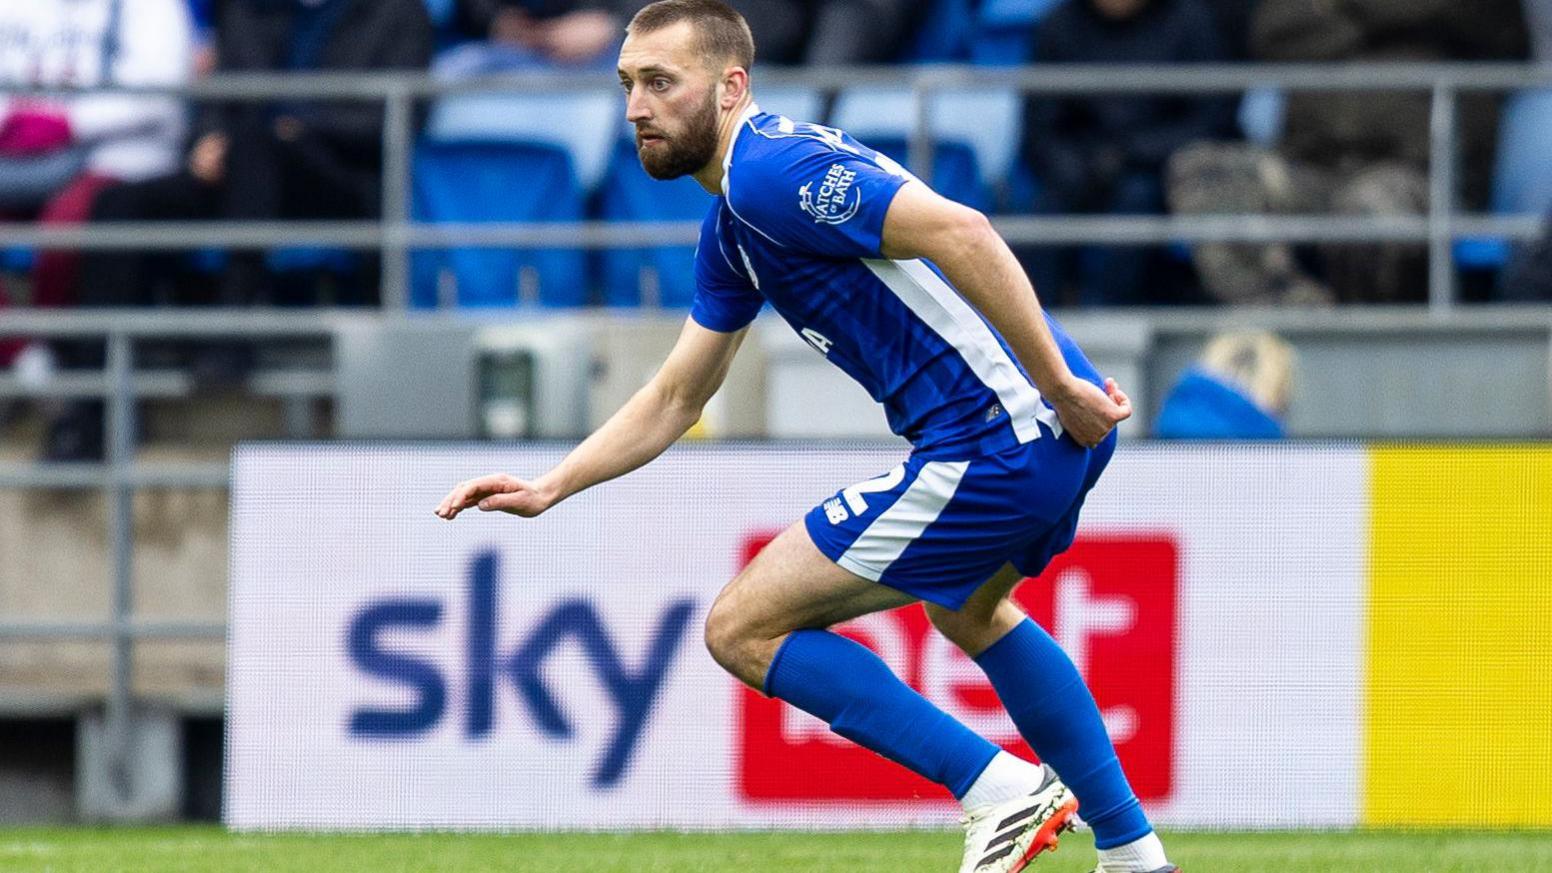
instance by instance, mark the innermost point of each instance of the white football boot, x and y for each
(1004, 838)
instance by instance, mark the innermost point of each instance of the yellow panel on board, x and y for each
(1459, 697)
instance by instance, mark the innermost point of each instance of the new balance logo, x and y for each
(835, 510)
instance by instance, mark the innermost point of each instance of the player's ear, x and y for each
(734, 84)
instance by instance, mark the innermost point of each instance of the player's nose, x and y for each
(636, 110)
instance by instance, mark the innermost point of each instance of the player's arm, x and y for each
(964, 245)
(642, 429)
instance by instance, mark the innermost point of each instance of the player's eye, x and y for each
(625, 84)
(660, 84)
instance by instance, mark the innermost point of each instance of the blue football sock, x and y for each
(853, 691)
(1056, 715)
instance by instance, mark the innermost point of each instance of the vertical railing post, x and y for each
(120, 508)
(918, 150)
(398, 133)
(1441, 199)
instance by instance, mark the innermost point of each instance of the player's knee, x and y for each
(725, 634)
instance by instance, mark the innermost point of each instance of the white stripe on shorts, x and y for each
(899, 525)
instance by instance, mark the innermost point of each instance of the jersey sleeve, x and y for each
(725, 300)
(816, 199)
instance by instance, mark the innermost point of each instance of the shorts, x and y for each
(938, 529)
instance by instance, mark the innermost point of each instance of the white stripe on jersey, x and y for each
(937, 304)
(888, 536)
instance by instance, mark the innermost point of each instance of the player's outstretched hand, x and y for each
(1089, 414)
(497, 492)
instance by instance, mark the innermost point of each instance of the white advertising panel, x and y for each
(392, 670)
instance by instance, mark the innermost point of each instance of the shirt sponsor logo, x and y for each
(835, 201)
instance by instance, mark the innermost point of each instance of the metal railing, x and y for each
(395, 236)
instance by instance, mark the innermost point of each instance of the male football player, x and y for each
(921, 301)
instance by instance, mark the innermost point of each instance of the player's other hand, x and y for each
(1089, 414)
(497, 492)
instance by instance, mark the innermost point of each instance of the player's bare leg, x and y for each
(790, 585)
(767, 628)
(1034, 678)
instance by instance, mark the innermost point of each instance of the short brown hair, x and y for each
(724, 34)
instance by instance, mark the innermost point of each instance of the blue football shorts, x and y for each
(939, 529)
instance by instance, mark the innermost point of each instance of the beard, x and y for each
(686, 152)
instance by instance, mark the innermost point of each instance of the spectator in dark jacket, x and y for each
(1538, 14)
(526, 34)
(533, 34)
(1353, 153)
(1233, 18)
(299, 159)
(1106, 154)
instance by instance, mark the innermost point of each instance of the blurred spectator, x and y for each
(1539, 15)
(1528, 276)
(1240, 389)
(1233, 18)
(299, 159)
(57, 152)
(829, 32)
(533, 34)
(1106, 154)
(1351, 153)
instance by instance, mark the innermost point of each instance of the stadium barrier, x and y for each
(396, 236)
(1315, 635)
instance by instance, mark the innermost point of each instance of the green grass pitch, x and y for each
(200, 849)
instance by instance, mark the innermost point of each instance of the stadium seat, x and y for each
(583, 124)
(1261, 115)
(944, 33)
(1522, 176)
(502, 157)
(496, 182)
(663, 276)
(975, 134)
(1004, 31)
(17, 259)
(798, 104)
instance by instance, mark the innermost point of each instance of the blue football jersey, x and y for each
(799, 225)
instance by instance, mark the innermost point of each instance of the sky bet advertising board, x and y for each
(391, 670)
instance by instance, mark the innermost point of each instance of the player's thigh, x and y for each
(985, 618)
(791, 585)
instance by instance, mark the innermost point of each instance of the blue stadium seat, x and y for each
(975, 134)
(496, 182)
(583, 124)
(502, 157)
(664, 276)
(798, 104)
(944, 34)
(1522, 176)
(1261, 115)
(17, 259)
(1005, 31)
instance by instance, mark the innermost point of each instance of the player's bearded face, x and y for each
(669, 151)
